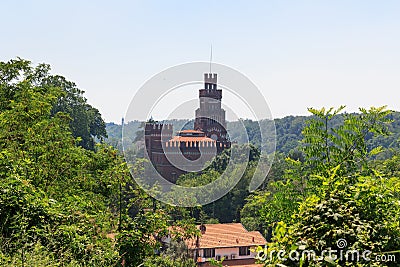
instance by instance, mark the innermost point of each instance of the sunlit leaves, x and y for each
(328, 145)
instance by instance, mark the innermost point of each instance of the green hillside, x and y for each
(288, 132)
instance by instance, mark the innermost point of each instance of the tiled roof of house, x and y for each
(226, 235)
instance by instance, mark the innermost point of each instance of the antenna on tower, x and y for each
(210, 57)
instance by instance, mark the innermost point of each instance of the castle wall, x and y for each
(210, 119)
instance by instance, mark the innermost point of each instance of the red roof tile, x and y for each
(190, 131)
(191, 139)
(227, 235)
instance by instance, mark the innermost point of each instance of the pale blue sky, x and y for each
(299, 53)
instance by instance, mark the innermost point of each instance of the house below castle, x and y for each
(230, 241)
(189, 150)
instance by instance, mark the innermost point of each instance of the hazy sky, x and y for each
(299, 53)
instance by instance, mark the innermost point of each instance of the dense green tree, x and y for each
(363, 210)
(342, 196)
(60, 204)
(227, 208)
(85, 121)
(55, 202)
(328, 142)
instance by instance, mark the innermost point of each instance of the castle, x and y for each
(189, 150)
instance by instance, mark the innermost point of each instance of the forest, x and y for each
(68, 197)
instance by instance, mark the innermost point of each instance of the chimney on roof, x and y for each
(237, 240)
(253, 239)
(203, 229)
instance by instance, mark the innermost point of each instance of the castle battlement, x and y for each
(158, 129)
(210, 78)
(193, 144)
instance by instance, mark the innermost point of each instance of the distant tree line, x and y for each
(288, 132)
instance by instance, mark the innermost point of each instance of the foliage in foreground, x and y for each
(340, 196)
(59, 202)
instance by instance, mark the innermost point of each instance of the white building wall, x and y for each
(227, 252)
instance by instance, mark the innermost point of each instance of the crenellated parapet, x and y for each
(158, 129)
(210, 78)
(192, 144)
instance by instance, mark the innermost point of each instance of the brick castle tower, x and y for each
(210, 117)
(197, 146)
